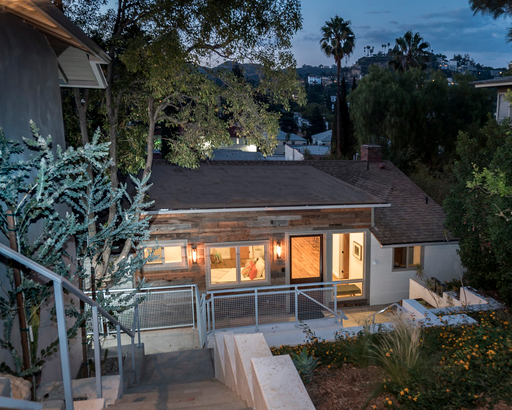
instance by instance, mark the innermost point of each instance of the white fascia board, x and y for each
(262, 209)
(403, 245)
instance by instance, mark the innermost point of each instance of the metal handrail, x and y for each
(60, 283)
(400, 308)
(272, 287)
(294, 289)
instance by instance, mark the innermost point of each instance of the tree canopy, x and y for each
(409, 51)
(162, 72)
(478, 208)
(496, 8)
(416, 115)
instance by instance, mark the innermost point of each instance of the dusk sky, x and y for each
(448, 25)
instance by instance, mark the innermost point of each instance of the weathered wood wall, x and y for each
(216, 227)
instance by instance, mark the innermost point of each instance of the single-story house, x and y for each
(244, 224)
(317, 151)
(284, 138)
(502, 85)
(322, 138)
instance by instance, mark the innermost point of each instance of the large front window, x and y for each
(237, 264)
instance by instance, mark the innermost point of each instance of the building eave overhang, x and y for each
(263, 209)
(79, 57)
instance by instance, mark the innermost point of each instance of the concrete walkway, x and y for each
(278, 334)
(178, 339)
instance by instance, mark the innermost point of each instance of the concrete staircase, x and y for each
(179, 380)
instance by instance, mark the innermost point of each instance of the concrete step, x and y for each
(152, 406)
(181, 366)
(204, 385)
(197, 396)
(207, 394)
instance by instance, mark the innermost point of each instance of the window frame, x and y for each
(239, 282)
(408, 266)
(183, 243)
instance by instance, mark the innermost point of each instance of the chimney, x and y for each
(371, 153)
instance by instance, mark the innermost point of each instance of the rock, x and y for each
(20, 388)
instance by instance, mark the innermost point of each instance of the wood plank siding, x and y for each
(218, 227)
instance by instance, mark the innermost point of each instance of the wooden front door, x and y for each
(306, 259)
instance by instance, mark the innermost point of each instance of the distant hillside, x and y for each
(251, 71)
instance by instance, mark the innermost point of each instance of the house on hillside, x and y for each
(243, 224)
(284, 138)
(502, 85)
(322, 138)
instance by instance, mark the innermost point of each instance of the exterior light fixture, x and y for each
(194, 253)
(278, 249)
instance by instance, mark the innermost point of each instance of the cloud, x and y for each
(379, 12)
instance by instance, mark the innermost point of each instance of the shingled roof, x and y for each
(229, 186)
(412, 218)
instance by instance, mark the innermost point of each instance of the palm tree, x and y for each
(410, 51)
(337, 41)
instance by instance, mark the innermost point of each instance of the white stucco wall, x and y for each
(387, 286)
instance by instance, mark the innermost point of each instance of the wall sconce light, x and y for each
(194, 253)
(278, 249)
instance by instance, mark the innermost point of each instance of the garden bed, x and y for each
(465, 367)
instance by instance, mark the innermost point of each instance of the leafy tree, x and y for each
(338, 41)
(409, 51)
(74, 182)
(416, 116)
(287, 123)
(496, 8)
(317, 122)
(479, 206)
(154, 72)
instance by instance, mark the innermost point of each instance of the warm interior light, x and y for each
(194, 254)
(278, 249)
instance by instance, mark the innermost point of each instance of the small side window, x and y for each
(166, 255)
(407, 257)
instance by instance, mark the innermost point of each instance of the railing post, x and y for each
(120, 358)
(335, 290)
(192, 304)
(256, 308)
(138, 324)
(97, 360)
(296, 306)
(213, 312)
(208, 315)
(63, 345)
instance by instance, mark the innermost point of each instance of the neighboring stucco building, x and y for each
(502, 85)
(41, 51)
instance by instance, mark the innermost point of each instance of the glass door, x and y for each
(306, 259)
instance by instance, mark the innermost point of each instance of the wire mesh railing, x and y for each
(271, 304)
(159, 307)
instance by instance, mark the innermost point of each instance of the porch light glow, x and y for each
(278, 249)
(194, 254)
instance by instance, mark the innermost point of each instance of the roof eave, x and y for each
(263, 209)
